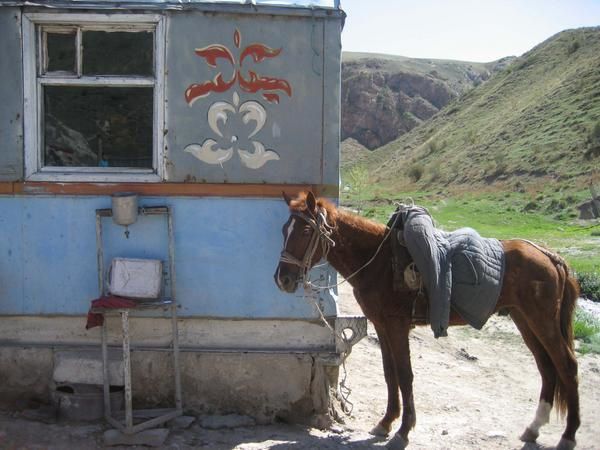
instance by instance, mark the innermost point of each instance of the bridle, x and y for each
(321, 235)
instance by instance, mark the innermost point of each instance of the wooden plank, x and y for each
(165, 189)
(7, 188)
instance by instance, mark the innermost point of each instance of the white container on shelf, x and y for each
(136, 278)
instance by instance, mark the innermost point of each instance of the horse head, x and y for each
(306, 239)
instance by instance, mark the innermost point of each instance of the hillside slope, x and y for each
(384, 96)
(537, 121)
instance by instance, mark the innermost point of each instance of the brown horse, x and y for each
(537, 291)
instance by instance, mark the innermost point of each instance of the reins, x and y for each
(306, 262)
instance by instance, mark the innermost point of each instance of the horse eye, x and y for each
(306, 231)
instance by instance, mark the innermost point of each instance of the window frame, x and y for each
(35, 79)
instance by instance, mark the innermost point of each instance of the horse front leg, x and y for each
(399, 344)
(392, 411)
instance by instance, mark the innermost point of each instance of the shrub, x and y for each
(471, 137)
(593, 142)
(433, 146)
(573, 47)
(594, 134)
(359, 181)
(415, 172)
(435, 171)
(585, 325)
(500, 165)
(556, 205)
(589, 282)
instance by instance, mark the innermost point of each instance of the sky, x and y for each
(467, 30)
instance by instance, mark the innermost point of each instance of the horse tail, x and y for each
(567, 309)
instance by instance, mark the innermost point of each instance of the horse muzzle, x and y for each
(285, 281)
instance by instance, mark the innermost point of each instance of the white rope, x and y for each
(387, 235)
(344, 389)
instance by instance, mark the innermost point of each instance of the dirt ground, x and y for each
(473, 390)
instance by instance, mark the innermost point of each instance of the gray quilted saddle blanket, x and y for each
(460, 270)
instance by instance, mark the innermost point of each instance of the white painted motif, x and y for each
(213, 152)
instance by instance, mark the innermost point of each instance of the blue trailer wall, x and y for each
(226, 253)
(274, 113)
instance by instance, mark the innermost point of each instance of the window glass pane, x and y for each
(118, 53)
(98, 126)
(61, 51)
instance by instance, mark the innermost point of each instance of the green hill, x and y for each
(534, 126)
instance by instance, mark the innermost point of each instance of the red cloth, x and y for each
(109, 302)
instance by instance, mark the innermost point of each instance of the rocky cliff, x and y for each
(386, 96)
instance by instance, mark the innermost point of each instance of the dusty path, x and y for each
(473, 390)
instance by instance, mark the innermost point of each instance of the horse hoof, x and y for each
(397, 443)
(565, 444)
(529, 435)
(379, 430)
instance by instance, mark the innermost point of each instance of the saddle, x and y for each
(475, 266)
(406, 276)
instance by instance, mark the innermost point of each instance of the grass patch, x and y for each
(501, 215)
(586, 328)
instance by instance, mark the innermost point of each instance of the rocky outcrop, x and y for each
(383, 99)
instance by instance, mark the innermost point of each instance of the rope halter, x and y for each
(321, 235)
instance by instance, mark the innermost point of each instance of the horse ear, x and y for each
(311, 202)
(286, 197)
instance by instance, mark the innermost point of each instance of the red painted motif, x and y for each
(251, 82)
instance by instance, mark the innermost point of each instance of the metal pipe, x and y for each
(175, 330)
(185, 349)
(100, 251)
(127, 372)
(105, 373)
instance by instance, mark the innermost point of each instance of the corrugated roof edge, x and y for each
(245, 5)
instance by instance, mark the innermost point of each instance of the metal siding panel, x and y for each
(11, 93)
(293, 128)
(331, 106)
(11, 256)
(226, 253)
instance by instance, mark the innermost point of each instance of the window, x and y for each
(93, 97)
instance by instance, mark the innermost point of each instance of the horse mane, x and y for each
(335, 214)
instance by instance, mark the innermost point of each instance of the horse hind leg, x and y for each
(566, 394)
(547, 373)
(557, 339)
(554, 332)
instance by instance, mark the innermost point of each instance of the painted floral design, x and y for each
(251, 82)
(249, 117)
(219, 151)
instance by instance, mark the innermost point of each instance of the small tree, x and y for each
(359, 179)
